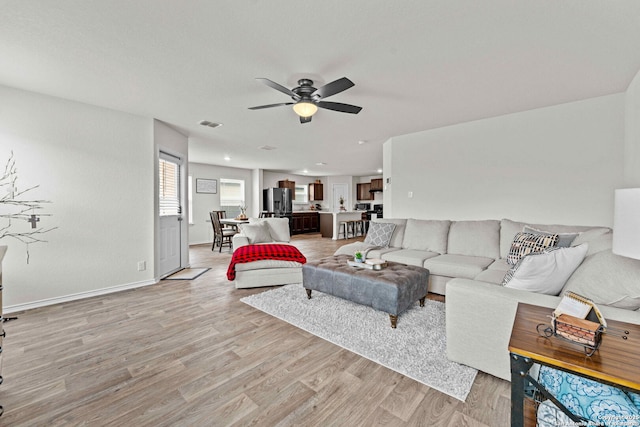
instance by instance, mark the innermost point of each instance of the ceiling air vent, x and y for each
(267, 147)
(209, 124)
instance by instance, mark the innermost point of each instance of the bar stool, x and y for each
(358, 228)
(342, 226)
(352, 227)
(365, 226)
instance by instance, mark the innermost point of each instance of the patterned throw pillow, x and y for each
(599, 403)
(379, 234)
(527, 243)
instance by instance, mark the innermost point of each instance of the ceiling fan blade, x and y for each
(338, 106)
(260, 107)
(278, 87)
(305, 119)
(334, 87)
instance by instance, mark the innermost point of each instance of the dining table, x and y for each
(233, 222)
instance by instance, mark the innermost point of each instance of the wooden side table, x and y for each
(616, 362)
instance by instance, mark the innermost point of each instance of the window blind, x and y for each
(169, 188)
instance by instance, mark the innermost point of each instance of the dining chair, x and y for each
(221, 235)
(223, 215)
(265, 214)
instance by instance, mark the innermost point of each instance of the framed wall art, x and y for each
(209, 186)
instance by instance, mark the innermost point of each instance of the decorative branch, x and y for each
(14, 208)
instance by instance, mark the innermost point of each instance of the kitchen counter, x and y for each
(329, 221)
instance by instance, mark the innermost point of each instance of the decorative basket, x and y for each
(579, 331)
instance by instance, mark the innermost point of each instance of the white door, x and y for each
(170, 213)
(340, 190)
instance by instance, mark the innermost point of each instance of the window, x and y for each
(169, 185)
(231, 196)
(302, 194)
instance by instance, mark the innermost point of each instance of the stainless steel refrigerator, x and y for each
(277, 200)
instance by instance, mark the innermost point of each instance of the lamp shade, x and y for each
(305, 109)
(626, 223)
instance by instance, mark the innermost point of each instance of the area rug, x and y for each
(187, 274)
(417, 348)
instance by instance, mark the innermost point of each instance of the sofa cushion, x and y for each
(608, 279)
(409, 256)
(526, 243)
(599, 240)
(379, 234)
(491, 276)
(545, 272)
(256, 233)
(475, 238)
(278, 227)
(426, 235)
(501, 265)
(451, 265)
(398, 233)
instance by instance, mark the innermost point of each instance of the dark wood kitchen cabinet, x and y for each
(363, 191)
(305, 222)
(316, 192)
(291, 185)
(376, 184)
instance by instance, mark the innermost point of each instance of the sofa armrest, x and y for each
(479, 319)
(239, 240)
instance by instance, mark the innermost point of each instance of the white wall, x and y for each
(632, 134)
(201, 231)
(96, 167)
(551, 165)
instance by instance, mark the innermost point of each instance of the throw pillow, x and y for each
(564, 239)
(278, 228)
(545, 272)
(257, 233)
(379, 234)
(526, 243)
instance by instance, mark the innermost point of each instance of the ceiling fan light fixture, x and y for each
(305, 108)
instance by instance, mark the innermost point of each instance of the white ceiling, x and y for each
(417, 65)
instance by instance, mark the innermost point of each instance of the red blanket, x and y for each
(251, 253)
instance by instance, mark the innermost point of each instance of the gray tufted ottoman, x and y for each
(391, 290)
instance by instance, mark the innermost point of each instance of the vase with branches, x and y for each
(14, 206)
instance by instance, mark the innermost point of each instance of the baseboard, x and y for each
(73, 297)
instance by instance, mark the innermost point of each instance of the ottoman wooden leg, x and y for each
(422, 301)
(308, 293)
(394, 320)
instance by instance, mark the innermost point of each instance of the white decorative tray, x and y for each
(370, 264)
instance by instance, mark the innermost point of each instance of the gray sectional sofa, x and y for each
(467, 262)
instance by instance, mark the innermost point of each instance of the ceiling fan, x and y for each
(307, 98)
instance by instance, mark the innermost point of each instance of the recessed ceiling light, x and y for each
(321, 164)
(305, 171)
(379, 170)
(209, 124)
(362, 142)
(227, 158)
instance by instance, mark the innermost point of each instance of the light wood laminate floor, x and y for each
(189, 353)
